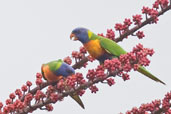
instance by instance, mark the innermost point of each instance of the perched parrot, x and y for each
(102, 48)
(56, 70)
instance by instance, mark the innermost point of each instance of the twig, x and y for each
(134, 29)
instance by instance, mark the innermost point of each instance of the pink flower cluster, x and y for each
(151, 12)
(39, 80)
(142, 53)
(140, 34)
(166, 104)
(110, 34)
(137, 20)
(68, 60)
(22, 98)
(122, 28)
(78, 56)
(71, 82)
(112, 65)
(155, 107)
(128, 61)
(162, 3)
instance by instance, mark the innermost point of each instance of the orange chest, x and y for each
(50, 76)
(94, 48)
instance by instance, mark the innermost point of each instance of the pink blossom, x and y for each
(83, 81)
(153, 13)
(156, 5)
(39, 75)
(91, 74)
(28, 83)
(110, 81)
(49, 107)
(39, 81)
(68, 60)
(50, 89)
(100, 74)
(8, 101)
(127, 22)
(136, 66)
(112, 65)
(1, 105)
(81, 92)
(18, 92)
(85, 64)
(24, 88)
(39, 94)
(93, 89)
(145, 10)
(18, 104)
(80, 56)
(125, 76)
(79, 77)
(71, 81)
(140, 34)
(61, 85)
(166, 101)
(54, 97)
(110, 34)
(101, 34)
(12, 96)
(118, 27)
(164, 3)
(83, 50)
(28, 98)
(75, 54)
(137, 19)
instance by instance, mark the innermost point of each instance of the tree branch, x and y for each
(134, 29)
(61, 95)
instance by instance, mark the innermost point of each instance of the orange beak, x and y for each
(73, 36)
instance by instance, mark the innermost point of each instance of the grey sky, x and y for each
(37, 31)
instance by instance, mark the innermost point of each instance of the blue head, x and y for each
(81, 34)
(64, 70)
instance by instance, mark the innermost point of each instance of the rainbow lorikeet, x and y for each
(102, 48)
(56, 70)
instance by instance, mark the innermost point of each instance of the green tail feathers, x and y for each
(77, 99)
(148, 74)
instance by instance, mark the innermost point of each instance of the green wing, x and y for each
(55, 65)
(111, 47)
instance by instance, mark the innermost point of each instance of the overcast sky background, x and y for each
(33, 32)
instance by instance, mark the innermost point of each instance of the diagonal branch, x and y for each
(147, 21)
(61, 95)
